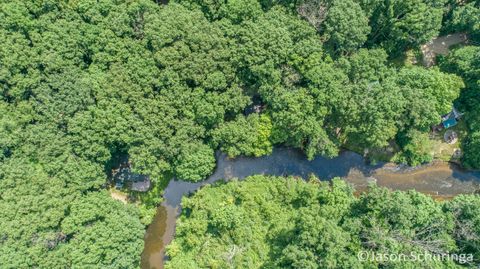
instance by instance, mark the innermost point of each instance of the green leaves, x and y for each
(100, 229)
(248, 136)
(398, 25)
(444, 88)
(466, 231)
(471, 157)
(417, 148)
(269, 222)
(464, 17)
(346, 26)
(465, 62)
(195, 162)
(82, 82)
(48, 221)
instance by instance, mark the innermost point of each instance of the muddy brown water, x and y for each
(441, 180)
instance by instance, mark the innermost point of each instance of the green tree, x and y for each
(373, 104)
(417, 148)
(465, 62)
(346, 26)
(234, 10)
(62, 222)
(272, 222)
(471, 148)
(465, 210)
(398, 25)
(431, 94)
(403, 222)
(248, 136)
(462, 16)
(195, 162)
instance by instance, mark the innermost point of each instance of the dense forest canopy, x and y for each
(268, 222)
(465, 61)
(82, 82)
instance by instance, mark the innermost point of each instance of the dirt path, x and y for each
(440, 46)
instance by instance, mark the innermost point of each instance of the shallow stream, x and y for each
(441, 180)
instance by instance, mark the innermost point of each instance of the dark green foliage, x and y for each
(471, 157)
(82, 82)
(401, 24)
(268, 222)
(463, 16)
(466, 63)
(416, 148)
(51, 219)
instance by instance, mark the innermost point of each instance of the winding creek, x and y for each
(441, 180)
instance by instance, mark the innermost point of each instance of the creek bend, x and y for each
(441, 180)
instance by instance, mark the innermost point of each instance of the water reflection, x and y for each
(159, 233)
(440, 180)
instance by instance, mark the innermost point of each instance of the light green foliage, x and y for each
(242, 225)
(82, 82)
(195, 162)
(346, 26)
(248, 136)
(269, 222)
(417, 148)
(466, 210)
(431, 94)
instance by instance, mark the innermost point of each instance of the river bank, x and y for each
(439, 179)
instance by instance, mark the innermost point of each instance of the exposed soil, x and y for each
(440, 46)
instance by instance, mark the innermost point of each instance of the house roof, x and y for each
(141, 185)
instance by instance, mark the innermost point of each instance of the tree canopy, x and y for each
(268, 222)
(84, 82)
(465, 62)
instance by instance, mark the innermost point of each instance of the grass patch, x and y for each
(444, 151)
